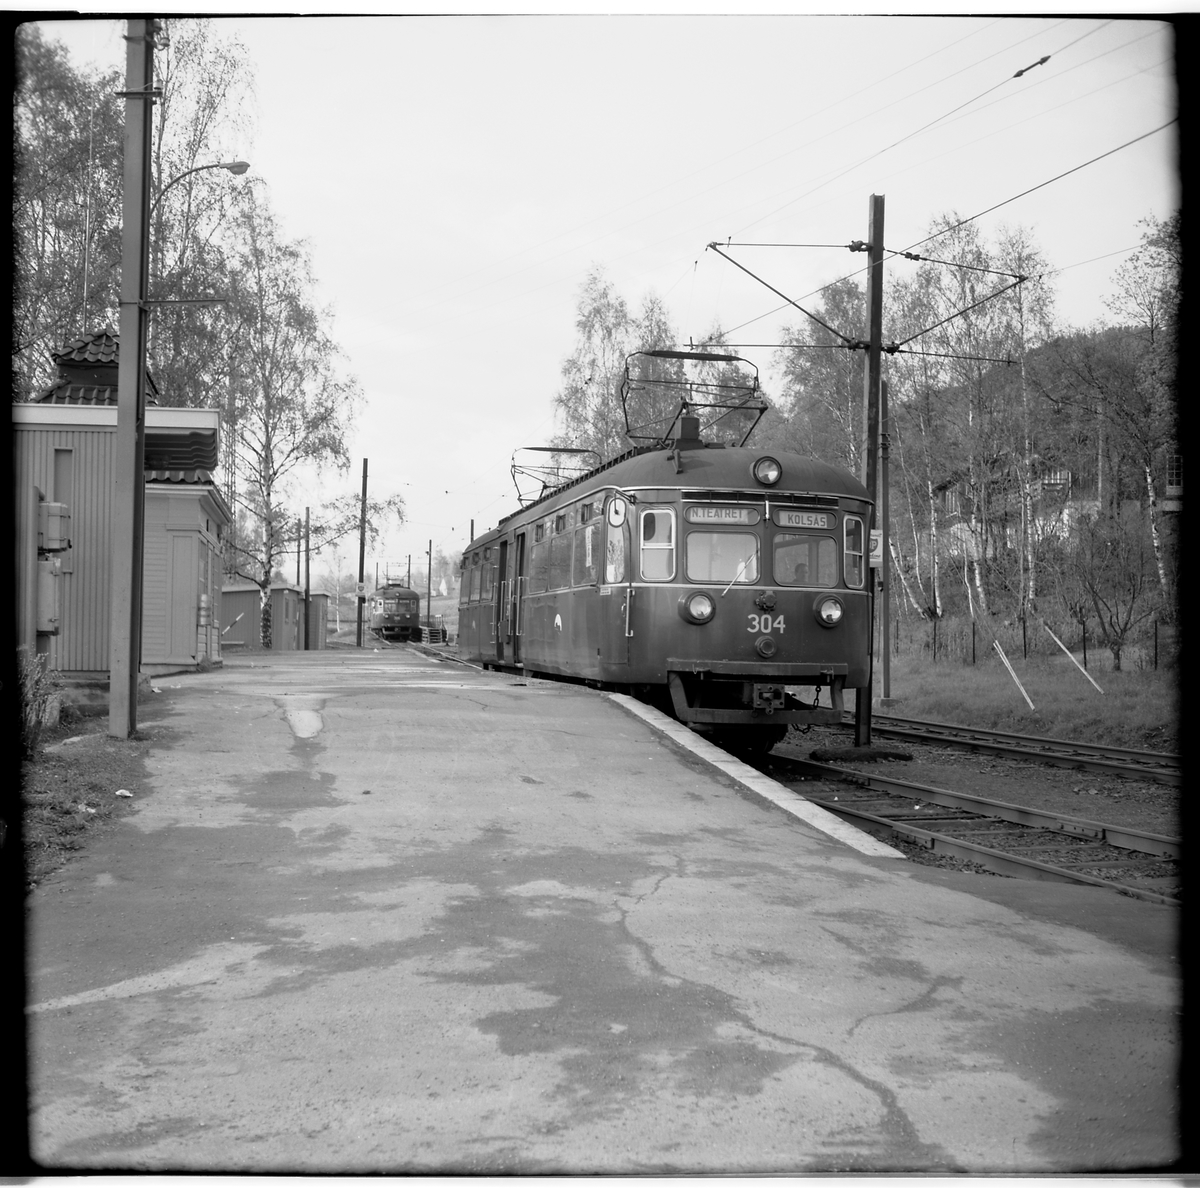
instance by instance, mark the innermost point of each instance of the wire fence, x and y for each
(960, 639)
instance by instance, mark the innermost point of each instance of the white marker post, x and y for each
(1069, 656)
(1011, 673)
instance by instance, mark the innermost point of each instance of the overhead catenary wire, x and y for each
(963, 223)
(925, 127)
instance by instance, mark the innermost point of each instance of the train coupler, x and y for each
(768, 697)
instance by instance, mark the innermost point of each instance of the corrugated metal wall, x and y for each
(84, 589)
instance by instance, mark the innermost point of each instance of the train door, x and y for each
(616, 585)
(503, 622)
(517, 598)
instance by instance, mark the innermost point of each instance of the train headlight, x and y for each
(697, 608)
(829, 611)
(767, 471)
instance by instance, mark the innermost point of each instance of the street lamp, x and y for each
(237, 168)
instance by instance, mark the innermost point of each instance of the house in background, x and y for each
(64, 454)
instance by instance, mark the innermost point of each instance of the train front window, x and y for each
(658, 544)
(799, 559)
(726, 557)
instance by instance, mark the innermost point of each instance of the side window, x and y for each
(485, 581)
(616, 549)
(464, 588)
(560, 558)
(587, 554)
(539, 564)
(854, 551)
(475, 576)
(658, 544)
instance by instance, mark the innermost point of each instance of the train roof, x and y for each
(707, 467)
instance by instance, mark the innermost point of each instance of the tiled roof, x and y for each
(90, 348)
(65, 392)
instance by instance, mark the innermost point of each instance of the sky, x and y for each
(458, 177)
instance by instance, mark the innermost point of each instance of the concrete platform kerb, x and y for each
(771, 790)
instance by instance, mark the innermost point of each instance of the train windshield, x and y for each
(803, 560)
(722, 557)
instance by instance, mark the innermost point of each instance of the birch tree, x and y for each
(294, 406)
(67, 146)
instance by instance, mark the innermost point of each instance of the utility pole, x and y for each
(129, 480)
(307, 574)
(872, 379)
(299, 538)
(362, 558)
(429, 586)
(409, 582)
(885, 561)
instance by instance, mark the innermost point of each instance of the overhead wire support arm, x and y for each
(850, 342)
(954, 264)
(895, 346)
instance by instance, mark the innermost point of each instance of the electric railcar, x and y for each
(395, 612)
(730, 584)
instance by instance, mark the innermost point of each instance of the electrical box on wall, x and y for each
(47, 595)
(54, 527)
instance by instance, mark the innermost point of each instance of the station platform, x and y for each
(380, 912)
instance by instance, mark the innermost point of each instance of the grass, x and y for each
(68, 789)
(1137, 708)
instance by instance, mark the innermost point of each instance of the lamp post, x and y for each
(128, 482)
(237, 168)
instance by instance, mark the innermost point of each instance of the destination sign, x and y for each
(802, 519)
(721, 515)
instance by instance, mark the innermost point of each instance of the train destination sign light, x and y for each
(721, 515)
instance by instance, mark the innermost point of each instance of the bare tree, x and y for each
(66, 205)
(1112, 569)
(294, 406)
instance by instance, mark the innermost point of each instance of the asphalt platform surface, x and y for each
(379, 912)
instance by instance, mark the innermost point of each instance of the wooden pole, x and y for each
(307, 574)
(362, 557)
(885, 584)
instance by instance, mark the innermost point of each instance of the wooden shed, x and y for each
(64, 451)
(241, 604)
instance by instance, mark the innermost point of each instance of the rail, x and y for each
(1158, 766)
(1020, 839)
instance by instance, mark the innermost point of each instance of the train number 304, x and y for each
(764, 624)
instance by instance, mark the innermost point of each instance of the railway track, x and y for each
(1156, 766)
(1004, 838)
